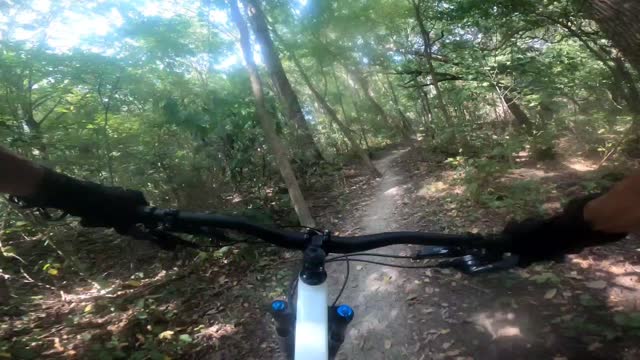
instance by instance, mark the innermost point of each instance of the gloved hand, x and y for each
(97, 205)
(549, 239)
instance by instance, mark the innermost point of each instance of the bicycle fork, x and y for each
(339, 318)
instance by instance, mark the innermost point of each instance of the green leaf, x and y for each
(142, 315)
(546, 277)
(139, 304)
(587, 300)
(185, 338)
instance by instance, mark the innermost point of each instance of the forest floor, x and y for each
(113, 298)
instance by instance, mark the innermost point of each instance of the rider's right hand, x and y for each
(549, 239)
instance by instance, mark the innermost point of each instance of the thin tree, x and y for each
(406, 122)
(331, 113)
(267, 122)
(287, 97)
(427, 49)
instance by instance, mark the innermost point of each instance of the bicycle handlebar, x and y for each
(188, 222)
(193, 223)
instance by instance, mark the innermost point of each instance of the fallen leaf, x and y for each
(562, 319)
(545, 277)
(88, 308)
(453, 353)
(508, 331)
(133, 283)
(359, 267)
(447, 345)
(52, 271)
(57, 345)
(165, 335)
(574, 275)
(596, 284)
(595, 346)
(550, 294)
(444, 331)
(387, 344)
(411, 297)
(587, 300)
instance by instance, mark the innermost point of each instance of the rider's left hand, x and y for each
(97, 205)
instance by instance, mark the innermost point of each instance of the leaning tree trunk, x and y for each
(331, 113)
(268, 124)
(286, 95)
(618, 19)
(520, 118)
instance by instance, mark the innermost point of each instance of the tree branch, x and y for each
(439, 38)
(39, 101)
(50, 111)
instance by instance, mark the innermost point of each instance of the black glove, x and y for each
(549, 239)
(97, 205)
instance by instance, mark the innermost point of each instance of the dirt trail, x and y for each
(377, 293)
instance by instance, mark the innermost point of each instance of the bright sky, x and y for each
(68, 29)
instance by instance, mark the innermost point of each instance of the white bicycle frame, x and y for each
(312, 323)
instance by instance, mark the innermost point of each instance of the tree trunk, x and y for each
(331, 113)
(426, 41)
(267, 122)
(362, 82)
(407, 128)
(426, 108)
(520, 118)
(286, 95)
(618, 19)
(356, 108)
(106, 106)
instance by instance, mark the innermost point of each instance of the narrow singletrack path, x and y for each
(377, 293)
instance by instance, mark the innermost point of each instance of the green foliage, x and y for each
(630, 321)
(479, 176)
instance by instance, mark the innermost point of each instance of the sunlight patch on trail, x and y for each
(498, 324)
(621, 281)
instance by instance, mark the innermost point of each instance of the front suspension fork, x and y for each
(284, 318)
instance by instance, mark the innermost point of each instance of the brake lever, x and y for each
(472, 264)
(431, 252)
(165, 240)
